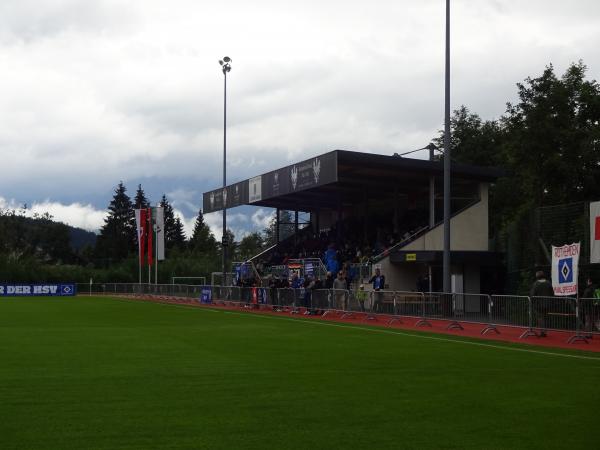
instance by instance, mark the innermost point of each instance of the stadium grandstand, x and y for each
(365, 211)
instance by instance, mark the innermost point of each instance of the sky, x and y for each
(93, 92)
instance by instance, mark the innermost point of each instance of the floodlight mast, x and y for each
(447, 170)
(225, 64)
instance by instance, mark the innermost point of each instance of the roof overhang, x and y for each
(339, 177)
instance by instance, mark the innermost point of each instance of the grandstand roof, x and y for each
(340, 177)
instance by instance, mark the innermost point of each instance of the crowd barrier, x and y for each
(534, 315)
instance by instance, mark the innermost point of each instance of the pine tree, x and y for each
(174, 234)
(202, 240)
(117, 237)
(140, 200)
(178, 234)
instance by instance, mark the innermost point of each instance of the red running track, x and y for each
(553, 339)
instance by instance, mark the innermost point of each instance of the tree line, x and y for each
(548, 142)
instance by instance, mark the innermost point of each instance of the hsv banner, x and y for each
(594, 232)
(565, 263)
(45, 290)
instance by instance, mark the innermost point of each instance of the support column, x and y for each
(295, 228)
(431, 194)
(277, 226)
(366, 217)
(339, 220)
(395, 225)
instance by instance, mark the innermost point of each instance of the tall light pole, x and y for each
(226, 67)
(446, 256)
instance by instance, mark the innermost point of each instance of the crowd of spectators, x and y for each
(345, 245)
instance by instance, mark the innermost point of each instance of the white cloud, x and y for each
(75, 214)
(262, 218)
(100, 91)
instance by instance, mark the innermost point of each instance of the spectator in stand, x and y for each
(296, 282)
(378, 281)
(328, 281)
(361, 296)
(591, 306)
(339, 287)
(309, 285)
(541, 287)
(331, 261)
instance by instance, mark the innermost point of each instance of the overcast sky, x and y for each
(97, 91)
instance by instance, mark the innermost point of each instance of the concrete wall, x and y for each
(468, 232)
(468, 229)
(401, 277)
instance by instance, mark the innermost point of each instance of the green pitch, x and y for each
(102, 373)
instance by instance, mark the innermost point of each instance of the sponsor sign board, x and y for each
(39, 289)
(307, 174)
(255, 189)
(206, 294)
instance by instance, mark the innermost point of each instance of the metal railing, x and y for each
(534, 315)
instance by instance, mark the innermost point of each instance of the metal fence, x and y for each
(534, 315)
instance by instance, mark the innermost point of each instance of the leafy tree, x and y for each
(231, 246)
(250, 245)
(474, 141)
(117, 237)
(553, 145)
(286, 228)
(202, 240)
(140, 200)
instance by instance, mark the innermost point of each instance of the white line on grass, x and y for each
(422, 336)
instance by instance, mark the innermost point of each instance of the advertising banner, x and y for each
(206, 294)
(307, 174)
(565, 264)
(255, 189)
(30, 290)
(232, 196)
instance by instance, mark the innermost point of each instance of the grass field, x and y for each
(103, 373)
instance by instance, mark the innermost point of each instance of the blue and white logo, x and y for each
(67, 289)
(565, 270)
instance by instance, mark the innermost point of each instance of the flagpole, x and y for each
(156, 252)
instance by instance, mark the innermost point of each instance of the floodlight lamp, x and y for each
(227, 59)
(221, 62)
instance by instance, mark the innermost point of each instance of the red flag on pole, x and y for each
(142, 235)
(150, 232)
(594, 232)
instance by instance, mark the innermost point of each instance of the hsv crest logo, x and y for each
(224, 197)
(276, 178)
(316, 169)
(212, 199)
(294, 175)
